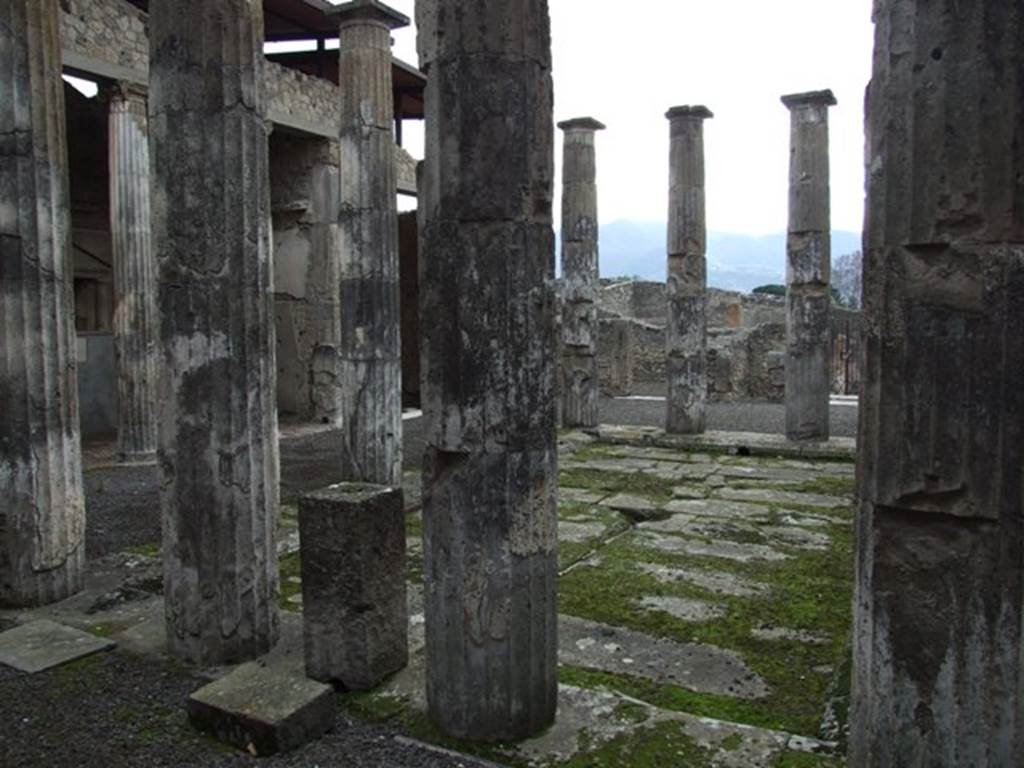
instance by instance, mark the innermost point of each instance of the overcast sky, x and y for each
(627, 63)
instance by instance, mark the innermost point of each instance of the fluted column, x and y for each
(580, 273)
(808, 269)
(134, 273)
(490, 466)
(42, 510)
(369, 382)
(686, 288)
(217, 416)
(938, 666)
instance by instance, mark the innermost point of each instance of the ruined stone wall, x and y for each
(109, 31)
(645, 300)
(746, 341)
(616, 297)
(297, 100)
(405, 171)
(304, 179)
(109, 38)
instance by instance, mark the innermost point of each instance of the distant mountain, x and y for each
(735, 262)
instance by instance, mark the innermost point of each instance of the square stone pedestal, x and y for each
(263, 710)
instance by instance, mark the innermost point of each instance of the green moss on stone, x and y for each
(145, 550)
(289, 570)
(808, 760)
(632, 483)
(811, 591)
(659, 746)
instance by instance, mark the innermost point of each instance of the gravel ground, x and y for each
(123, 506)
(120, 710)
(117, 710)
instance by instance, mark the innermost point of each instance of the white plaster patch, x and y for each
(200, 348)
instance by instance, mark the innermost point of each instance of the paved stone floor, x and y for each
(705, 612)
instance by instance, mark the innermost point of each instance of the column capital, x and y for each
(368, 10)
(810, 99)
(696, 112)
(126, 90)
(582, 124)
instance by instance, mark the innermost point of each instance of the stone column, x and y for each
(369, 384)
(217, 414)
(489, 477)
(620, 362)
(134, 273)
(808, 268)
(42, 510)
(580, 273)
(938, 676)
(687, 332)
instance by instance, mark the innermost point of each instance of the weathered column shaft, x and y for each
(808, 269)
(489, 479)
(42, 509)
(217, 415)
(135, 321)
(687, 331)
(580, 274)
(369, 383)
(937, 661)
(620, 355)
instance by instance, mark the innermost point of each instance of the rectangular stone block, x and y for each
(43, 645)
(263, 710)
(353, 584)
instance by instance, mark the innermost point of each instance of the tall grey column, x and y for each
(808, 268)
(489, 477)
(580, 273)
(135, 318)
(42, 509)
(687, 332)
(217, 415)
(938, 677)
(370, 353)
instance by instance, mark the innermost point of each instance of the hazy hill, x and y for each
(735, 262)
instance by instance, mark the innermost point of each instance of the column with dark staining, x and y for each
(42, 508)
(217, 413)
(369, 383)
(938, 676)
(686, 334)
(490, 469)
(580, 273)
(808, 268)
(134, 273)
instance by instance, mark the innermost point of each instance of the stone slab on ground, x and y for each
(263, 709)
(684, 608)
(701, 668)
(635, 507)
(725, 550)
(717, 508)
(719, 582)
(578, 532)
(742, 443)
(658, 454)
(588, 720)
(580, 496)
(766, 474)
(42, 645)
(795, 498)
